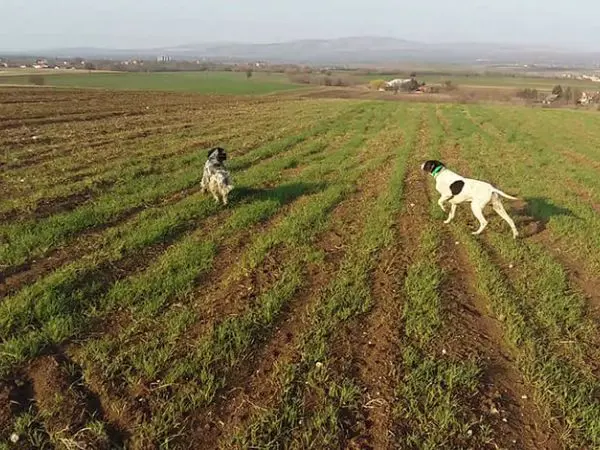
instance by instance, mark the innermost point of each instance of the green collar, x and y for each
(436, 171)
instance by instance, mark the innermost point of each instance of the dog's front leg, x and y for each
(442, 200)
(451, 215)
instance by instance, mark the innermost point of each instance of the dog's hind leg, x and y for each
(226, 192)
(451, 215)
(478, 213)
(499, 208)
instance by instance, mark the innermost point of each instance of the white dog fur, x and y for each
(456, 189)
(215, 177)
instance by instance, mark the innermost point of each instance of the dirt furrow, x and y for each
(14, 278)
(252, 386)
(505, 399)
(67, 406)
(372, 355)
(579, 277)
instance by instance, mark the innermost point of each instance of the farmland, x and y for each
(261, 82)
(497, 81)
(327, 306)
(201, 82)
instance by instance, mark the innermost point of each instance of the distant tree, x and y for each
(37, 80)
(567, 94)
(449, 85)
(557, 90)
(411, 85)
(413, 75)
(249, 73)
(528, 94)
(576, 95)
(89, 66)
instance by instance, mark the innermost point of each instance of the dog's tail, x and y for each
(505, 195)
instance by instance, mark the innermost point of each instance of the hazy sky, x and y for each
(29, 24)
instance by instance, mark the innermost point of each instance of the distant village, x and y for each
(317, 75)
(574, 76)
(21, 63)
(163, 62)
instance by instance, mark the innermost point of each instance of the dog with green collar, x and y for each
(456, 189)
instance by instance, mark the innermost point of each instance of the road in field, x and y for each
(327, 305)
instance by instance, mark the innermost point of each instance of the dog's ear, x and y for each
(210, 152)
(431, 165)
(428, 166)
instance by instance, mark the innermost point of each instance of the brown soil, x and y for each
(372, 356)
(251, 387)
(580, 278)
(6, 415)
(14, 278)
(128, 409)
(504, 399)
(259, 281)
(66, 407)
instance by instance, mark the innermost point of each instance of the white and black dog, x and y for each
(216, 178)
(456, 189)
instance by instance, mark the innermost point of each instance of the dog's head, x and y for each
(217, 154)
(431, 165)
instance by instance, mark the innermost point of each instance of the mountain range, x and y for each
(349, 50)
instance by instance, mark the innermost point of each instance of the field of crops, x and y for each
(327, 306)
(202, 82)
(496, 80)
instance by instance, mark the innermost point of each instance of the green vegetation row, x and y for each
(547, 324)
(22, 241)
(151, 357)
(51, 305)
(346, 297)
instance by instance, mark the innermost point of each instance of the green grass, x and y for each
(201, 82)
(547, 324)
(345, 298)
(434, 409)
(217, 355)
(141, 188)
(54, 305)
(170, 312)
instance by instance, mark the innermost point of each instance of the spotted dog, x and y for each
(456, 189)
(216, 178)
